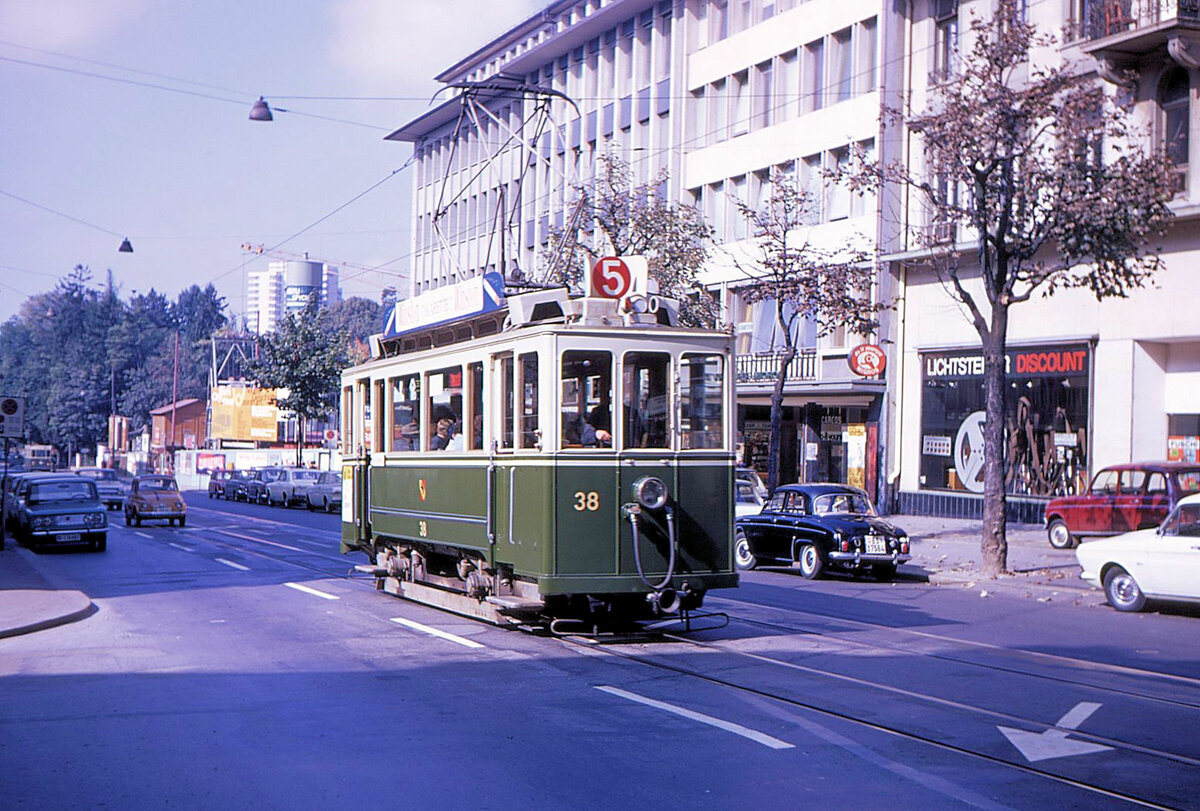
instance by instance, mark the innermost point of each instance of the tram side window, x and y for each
(444, 388)
(505, 366)
(645, 379)
(406, 413)
(475, 412)
(586, 399)
(531, 436)
(375, 416)
(348, 438)
(702, 397)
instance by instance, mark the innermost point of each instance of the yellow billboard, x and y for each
(244, 413)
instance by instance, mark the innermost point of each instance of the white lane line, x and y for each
(233, 565)
(144, 535)
(181, 546)
(728, 726)
(260, 540)
(307, 590)
(416, 626)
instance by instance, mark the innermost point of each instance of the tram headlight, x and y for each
(650, 492)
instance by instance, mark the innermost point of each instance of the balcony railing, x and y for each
(763, 369)
(1105, 18)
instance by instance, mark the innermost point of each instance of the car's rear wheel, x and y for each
(1059, 536)
(743, 558)
(101, 544)
(328, 506)
(128, 518)
(1123, 592)
(811, 564)
(182, 520)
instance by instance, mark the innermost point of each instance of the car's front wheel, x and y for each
(811, 564)
(1059, 536)
(1123, 592)
(743, 558)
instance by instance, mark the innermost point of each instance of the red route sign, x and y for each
(611, 278)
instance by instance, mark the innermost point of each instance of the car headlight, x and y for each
(94, 519)
(42, 522)
(650, 492)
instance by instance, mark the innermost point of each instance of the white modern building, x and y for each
(1090, 383)
(285, 286)
(719, 95)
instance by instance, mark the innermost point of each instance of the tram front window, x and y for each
(701, 407)
(645, 377)
(586, 399)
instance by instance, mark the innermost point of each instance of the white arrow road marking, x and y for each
(1054, 743)
(728, 726)
(425, 629)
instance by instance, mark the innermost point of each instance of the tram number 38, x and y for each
(589, 501)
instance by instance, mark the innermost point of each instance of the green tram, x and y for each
(551, 458)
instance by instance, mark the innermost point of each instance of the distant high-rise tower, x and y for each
(284, 286)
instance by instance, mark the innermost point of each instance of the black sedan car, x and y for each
(818, 527)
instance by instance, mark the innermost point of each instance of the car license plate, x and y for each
(68, 537)
(876, 545)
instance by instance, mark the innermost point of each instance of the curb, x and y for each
(49, 609)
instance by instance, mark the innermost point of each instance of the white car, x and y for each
(746, 500)
(1159, 564)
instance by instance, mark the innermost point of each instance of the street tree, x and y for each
(301, 358)
(1042, 175)
(802, 282)
(615, 216)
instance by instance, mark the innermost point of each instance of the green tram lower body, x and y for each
(550, 536)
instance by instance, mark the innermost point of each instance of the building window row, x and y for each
(824, 72)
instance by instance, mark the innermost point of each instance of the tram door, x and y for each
(520, 481)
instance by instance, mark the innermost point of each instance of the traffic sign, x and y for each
(12, 417)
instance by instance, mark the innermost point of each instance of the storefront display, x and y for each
(1046, 419)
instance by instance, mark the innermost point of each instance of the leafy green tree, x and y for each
(352, 321)
(1044, 175)
(614, 216)
(300, 357)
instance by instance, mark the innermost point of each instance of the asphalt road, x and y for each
(233, 664)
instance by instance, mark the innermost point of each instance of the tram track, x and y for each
(302, 559)
(894, 730)
(1083, 666)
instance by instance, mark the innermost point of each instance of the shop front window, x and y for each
(1046, 421)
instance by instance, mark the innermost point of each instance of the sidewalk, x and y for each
(27, 602)
(948, 550)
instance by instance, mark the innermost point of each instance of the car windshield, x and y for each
(330, 478)
(42, 492)
(746, 494)
(305, 475)
(1184, 521)
(162, 485)
(843, 504)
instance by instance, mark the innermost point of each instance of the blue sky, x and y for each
(183, 173)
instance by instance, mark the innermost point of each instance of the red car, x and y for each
(1122, 498)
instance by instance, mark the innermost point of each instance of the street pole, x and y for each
(174, 402)
(4, 496)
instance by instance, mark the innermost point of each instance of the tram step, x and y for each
(371, 569)
(515, 604)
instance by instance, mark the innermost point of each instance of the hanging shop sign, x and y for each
(867, 360)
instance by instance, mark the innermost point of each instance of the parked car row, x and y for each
(279, 486)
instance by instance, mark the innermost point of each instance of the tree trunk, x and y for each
(299, 441)
(993, 546)
(789, 354)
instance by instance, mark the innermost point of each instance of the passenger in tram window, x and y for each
(601, 416)
(578, 432)
(441, 438)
